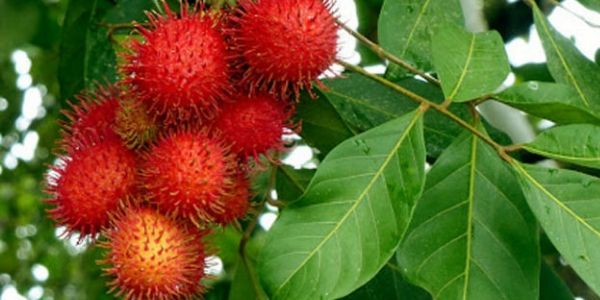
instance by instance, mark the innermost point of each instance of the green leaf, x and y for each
(368, 14)
(226, 241)
(469, 65)
(241, 284)
(591, 4)
(73, 47)
(389, 284)
(352, 216)
(409, 36)
(566, 203)
(363, 104)
(472, 235)
(322, 126)
(218, 291)
(553, 287)
(577, 144)
(100, 61)
(567, 65)
(87, 56)
(127, 11)
(553, 101)
(291, 183)
(533, 71)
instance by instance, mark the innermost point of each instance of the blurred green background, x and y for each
(33, 261)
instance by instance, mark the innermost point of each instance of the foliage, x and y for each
(414, 196)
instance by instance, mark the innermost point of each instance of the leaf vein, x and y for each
(359, 200)
(465, 69)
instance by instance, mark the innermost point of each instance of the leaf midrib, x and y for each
(561, 156)
(463, 74)
(363, 103)
(471, 200)
(359, 200)
(366, 104)
(568, 210)
(414, 28)
(560, 57)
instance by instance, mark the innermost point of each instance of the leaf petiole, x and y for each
(441, 108)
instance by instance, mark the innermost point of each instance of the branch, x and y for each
(575, 14)
(386, 55)
(252, 225)
(245, 260)
(116, 26)
(513, 148)
(441, 108)
(271, 185)
(394, 268)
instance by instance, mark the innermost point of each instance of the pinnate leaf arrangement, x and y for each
(185, 147)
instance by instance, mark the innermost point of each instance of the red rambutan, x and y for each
(134, 125)
(152, 256)
(187, 173)
(236, 202)
(284, 43)
(92, 117)
(253, 124)
(179, 68)
(88, 185)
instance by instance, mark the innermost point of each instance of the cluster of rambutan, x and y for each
(152, 163)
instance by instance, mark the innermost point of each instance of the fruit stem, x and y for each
(112, 28)
(271, 185)
(217, 4)
(386, 55)
(245, 260)
(438, 107)
(394, 268)
(275, 203)
(116, 26)
(252, 225)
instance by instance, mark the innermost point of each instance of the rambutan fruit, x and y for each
(236, 202)
(93, 116)
(187, 173)
(88, 185)
(134, 125)
(179, 67)
(284, 43)
(254, 124)
(152, 256)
